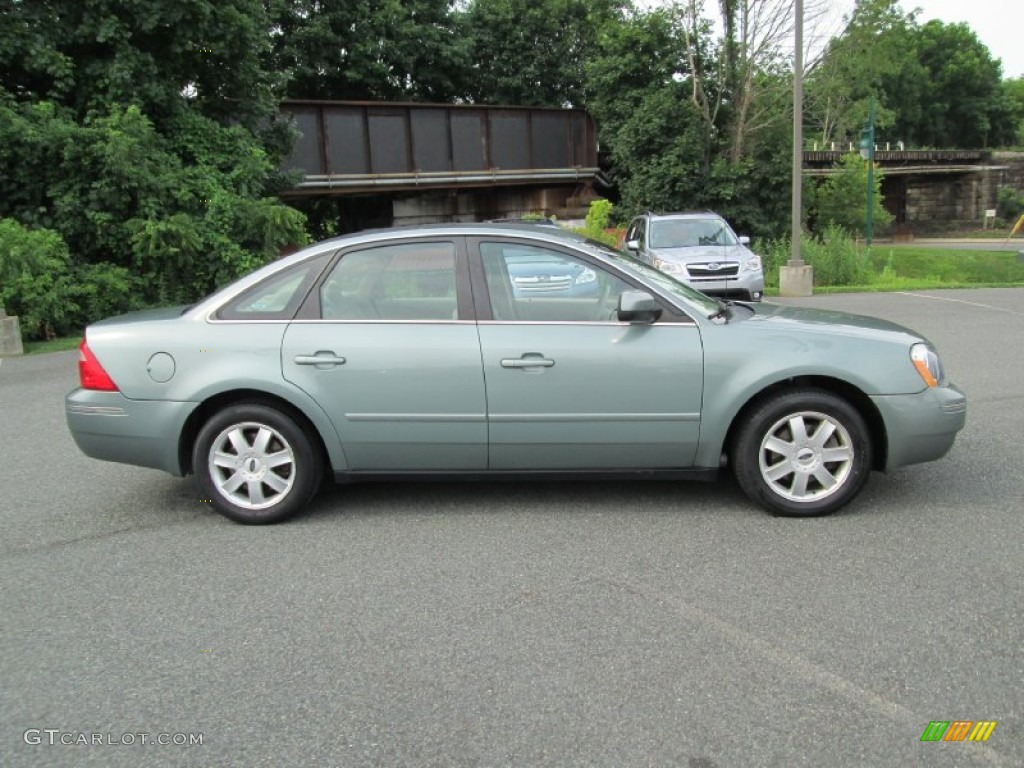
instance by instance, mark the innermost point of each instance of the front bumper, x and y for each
(109, 426)
(923, 426)
(745, 284)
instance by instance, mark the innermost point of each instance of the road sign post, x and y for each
(867, 151)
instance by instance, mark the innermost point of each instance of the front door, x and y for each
(568, 385)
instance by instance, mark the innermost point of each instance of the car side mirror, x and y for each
(744, 240)
(632, 245)
(637, 307)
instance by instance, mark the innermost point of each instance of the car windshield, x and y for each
(666, 283)
(690, 232)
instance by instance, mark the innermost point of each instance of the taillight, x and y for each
(90, 373)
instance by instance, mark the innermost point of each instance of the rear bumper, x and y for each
(109, 426)
(921, 427)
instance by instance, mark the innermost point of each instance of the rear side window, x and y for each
(408, 281)
(278, 297)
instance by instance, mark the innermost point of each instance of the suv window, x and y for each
(686, 233)
(409, 281)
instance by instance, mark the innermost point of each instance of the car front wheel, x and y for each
(255, 464)
(802, 453)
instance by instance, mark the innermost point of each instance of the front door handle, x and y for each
(322, 358)
(527, 361)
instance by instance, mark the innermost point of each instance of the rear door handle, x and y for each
(322, 358)
(527, 362)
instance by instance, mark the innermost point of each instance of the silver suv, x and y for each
(700, 249)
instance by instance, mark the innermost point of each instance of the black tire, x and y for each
(793, 445)
(267, 468)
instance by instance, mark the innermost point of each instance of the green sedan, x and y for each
(410, 353)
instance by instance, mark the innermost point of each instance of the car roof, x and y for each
(539, 230)
(684, 215)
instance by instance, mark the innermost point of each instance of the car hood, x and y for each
(703, 253)
(810, 320)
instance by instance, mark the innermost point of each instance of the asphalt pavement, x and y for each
(502, 624)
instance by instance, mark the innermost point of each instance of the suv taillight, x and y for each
(90, 373)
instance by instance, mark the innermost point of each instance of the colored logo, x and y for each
(958, 730)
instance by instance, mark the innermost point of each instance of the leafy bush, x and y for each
(34, 268)
(599, 215)
(1010, 203)
(598, 218)
(23, 250)
(51, 295)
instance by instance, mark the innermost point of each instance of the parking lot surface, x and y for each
(521, 624)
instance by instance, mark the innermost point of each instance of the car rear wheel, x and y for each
(255, 464)
(802, 453)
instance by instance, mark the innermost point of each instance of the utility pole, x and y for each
(797, 278)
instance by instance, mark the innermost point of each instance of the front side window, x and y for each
(633, 233)
(528, 283)
(408, 281)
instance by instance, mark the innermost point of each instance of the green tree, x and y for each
(533, 52)
(1014, 88)
(143, 134)
(871, 57)
(353, 49)
(841, 200)
(935, 84)
(962, 99)
(88, 54)
(654, 88)
(635, 54)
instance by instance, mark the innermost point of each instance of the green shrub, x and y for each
(835, 256)
(1009, 203)
(841, 199)
(599, 216)
(52, 296)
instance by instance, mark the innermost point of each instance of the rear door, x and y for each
(388, 347)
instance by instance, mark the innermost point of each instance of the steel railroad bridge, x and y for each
(417, 163)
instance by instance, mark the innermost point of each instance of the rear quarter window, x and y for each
(278, 297)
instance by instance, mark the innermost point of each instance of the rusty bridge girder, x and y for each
(351, 148)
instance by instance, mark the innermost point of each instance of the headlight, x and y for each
(753, 264)
(586, 276)
(668, 267)
(927, 363)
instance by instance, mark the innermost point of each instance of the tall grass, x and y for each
(840, 263)
(836, 257)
